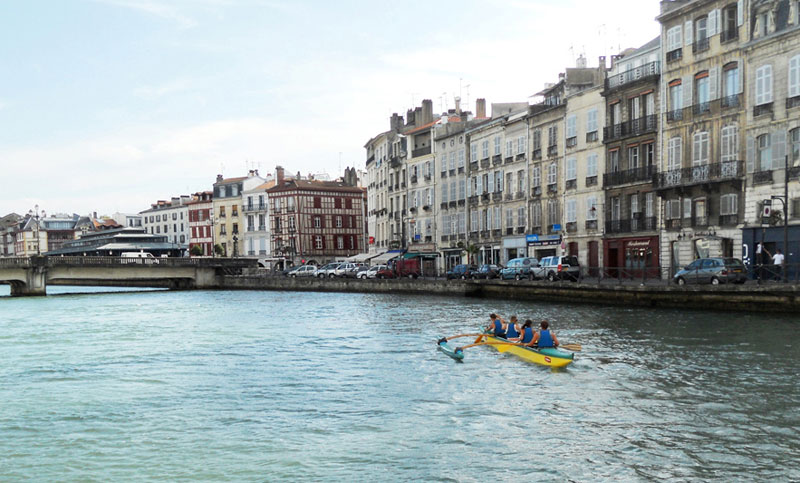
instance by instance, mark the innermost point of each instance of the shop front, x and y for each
(489, 254)
(427, 256)
(773, 241)
(631, 257)
(541, 246)
(513, 247)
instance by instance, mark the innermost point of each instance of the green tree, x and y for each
(196, 251)
(218, 250)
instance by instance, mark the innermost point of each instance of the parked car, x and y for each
(712, 270)
(343, 268)
(461, 271)
(360, 272)
(328, 270)
(373, 271)
(561, 268)
(303, 271)
(385, 272)
(486, 271)
(520, 268)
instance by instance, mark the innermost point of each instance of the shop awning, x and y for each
(425, 255)
(361, 257)
(385, 257)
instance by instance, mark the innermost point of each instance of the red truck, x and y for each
(407, 267)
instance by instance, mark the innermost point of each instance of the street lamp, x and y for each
(235, 246)
(34, 213)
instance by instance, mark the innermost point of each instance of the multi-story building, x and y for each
(701, 182)
(515, 149)
(30, 237)
(632, 103)
(584, 164)
(770, 43)
(383, 150)
(201, 235)
(170, 218)
(227, 212)
(316, 221)
(256, 216)
(417, 186)
(128, 219)
(9, 225)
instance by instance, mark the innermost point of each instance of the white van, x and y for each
(137, 255)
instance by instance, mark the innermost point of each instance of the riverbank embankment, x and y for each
(763, 298)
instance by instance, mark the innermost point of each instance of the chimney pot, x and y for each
(480, 108)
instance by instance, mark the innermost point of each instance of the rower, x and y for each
(527, 332)
(512, 329)
(496, 326)
(544, 338)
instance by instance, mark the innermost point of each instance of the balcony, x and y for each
(794, 172)
(734, 100)
(520, 230)
(460, 169)
(792, 102)
(413, 209)
(484, 234)
(395, 162)
(633, 127)
(677, 114)
(591, 181)
(497, 196)
(572, 227)
(701, 108)
(462, 202)
(537, 191)
(485, 197)
(537, 154)
(426, 207)
(444, 174)
(509, 196)
(496, 233)
(700, 45)
(591, 225)
(728, 220)
(520, 195)
(473, 166)
(443, 205)
(453, 204)
(552, 188)
(572, 141)
(674, 55)
(413, 179)
(631, 225)
(629, 76)
(509, 230)
(762, 177)
(421, 151)
(485, 163)
(552, 150)
(452, 172)
(473, 200)
(497, 160)
(551, 228)
(427, 177)
(699, 221)
(705, 173)
(762, 109)
(635, 175)
(728, 35)
(571, 184)
(591, 137)
(509, 160)
(673, 224)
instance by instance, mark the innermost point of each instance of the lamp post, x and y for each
(34, 214)
(235, 246)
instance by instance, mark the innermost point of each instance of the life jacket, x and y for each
(498, 328)
(511, 331)
(545, 339)
(527, 335)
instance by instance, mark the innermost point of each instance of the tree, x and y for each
(196, 251)
(218, 250)
(472, 250)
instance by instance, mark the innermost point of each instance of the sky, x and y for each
(110, 105)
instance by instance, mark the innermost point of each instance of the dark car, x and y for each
(385, 272)
(487, 271)
(461, 271)
(713, 271)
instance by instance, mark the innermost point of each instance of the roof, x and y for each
(231, 180)
(423, 127)
(313, 185)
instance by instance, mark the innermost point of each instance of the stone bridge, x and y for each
(31, 275)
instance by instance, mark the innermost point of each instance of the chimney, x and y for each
(409, 117)
(396, 122)
(458, 105)
(581, 62)
(480, 108)
(219, 178)
(279, 175)
(602, 62)
(427, 111)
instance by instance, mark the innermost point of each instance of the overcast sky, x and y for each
(110, 105)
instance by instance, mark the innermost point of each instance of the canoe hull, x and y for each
(546, 357)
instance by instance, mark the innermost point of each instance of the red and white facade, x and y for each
(201, 232)
(316, 221)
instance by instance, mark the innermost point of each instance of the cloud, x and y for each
(154, 92)
(161, 9)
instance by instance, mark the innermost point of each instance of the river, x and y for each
(249, 385)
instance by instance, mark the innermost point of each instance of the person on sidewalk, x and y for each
(777, 260)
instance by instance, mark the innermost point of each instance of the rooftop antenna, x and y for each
(466, 98)
(340, 161)
(443, 102)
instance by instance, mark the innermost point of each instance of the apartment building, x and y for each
(702, 182)
(770, 43)
(256, 216)
(227, 211)
(631, 209)
(381, 150)
(169, 218)
(201, 235)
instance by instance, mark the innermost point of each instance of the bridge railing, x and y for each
(15, 262)
(80, 261)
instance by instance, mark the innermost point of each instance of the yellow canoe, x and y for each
(547, 357)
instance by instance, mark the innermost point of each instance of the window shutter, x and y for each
(713, 81)
(713, 22)
(740, 79)
(687, 91)
(794, 76)
(751, 154)
(740, 12)
(778, 148)
(688, 35)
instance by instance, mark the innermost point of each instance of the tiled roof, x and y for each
(313, 185)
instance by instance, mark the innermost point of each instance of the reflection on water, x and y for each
(265, 385)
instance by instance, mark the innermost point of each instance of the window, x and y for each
(452, 161)
(552, 212)
(729, 204)
(649, 153)
(794, 76)
(222, 191)
(318, 201)
(318, 242)
(537, 139)
(764, 153)
(648, 204)
(613, 161)
(510, 181)
(701, 91)
(317, 221)
(572, 168)
(509, 148)
(675, 95)
(552, 136)
(473, 220)
(571, 209)
(701, 29)
(673, 209)
(488, 182)
(729, 143)
(591, 121)
(764, 85)
(521, 179)
(731, 79)
(509, 218)
(700, 149)
(537, 176)
(521, 216)
(674, 153)
(498, 181)
(674, 39)
(338, 221)
(687, 207)
(633, 157)
(478, 185)
(591, 208)
(453, 193)
(444, 193)
(521, 145)
(552, 174)
(536, 215)
(473, 152)
(634, 108)
(485, 149)
(461, 158)
(591, 165)
(462, 189)
(497, 145)
(794, 139)
(572, 126)
(340, 243)
(234, 190)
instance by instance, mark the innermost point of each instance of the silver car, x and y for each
(303, 271)
(328, 270)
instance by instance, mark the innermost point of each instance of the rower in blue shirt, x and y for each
(512, 329)
(527, 332)
(544, 338)
(496, 326)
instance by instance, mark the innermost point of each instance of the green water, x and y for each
(310, 386)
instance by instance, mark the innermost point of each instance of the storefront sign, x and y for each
(542, 240)
(638, 243)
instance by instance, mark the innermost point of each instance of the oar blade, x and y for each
(571, 347)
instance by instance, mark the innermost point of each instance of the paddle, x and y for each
(571, 347)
